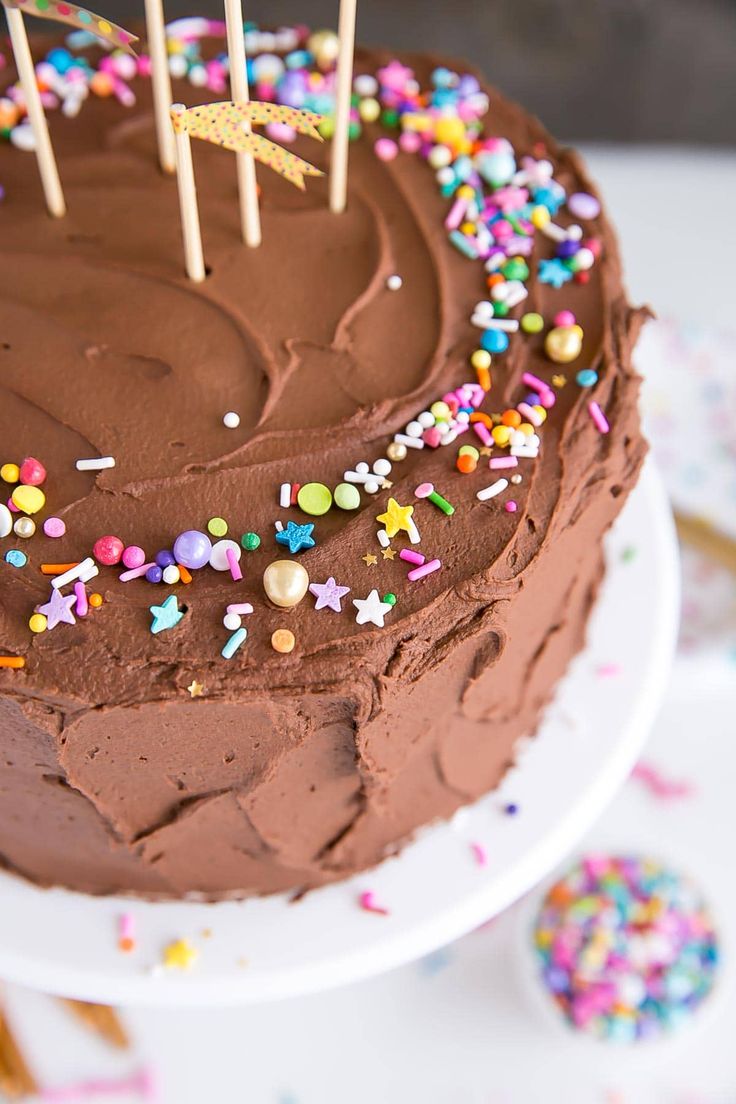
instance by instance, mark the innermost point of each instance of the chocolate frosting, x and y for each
(290, 770)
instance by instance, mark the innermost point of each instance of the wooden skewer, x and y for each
(250, 215)
(44, 150)
(161, 83)
(191, 232)
(101, 1019)
(16, 1080)
(704, 538)
(341, 139)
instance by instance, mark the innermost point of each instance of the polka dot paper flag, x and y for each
(63, 12)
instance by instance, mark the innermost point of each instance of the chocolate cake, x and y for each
(135, 757)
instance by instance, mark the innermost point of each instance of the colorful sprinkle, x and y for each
(626, 948)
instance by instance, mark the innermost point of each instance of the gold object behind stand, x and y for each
(16, 1080)
(701, 536)
(101, 1020)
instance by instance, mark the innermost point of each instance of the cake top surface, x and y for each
(108, 350)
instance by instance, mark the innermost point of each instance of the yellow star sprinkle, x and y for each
(369, 559)
(196, 689)
(559, 381)
(180, 955)
(389, 553)
(485, 451)
(396, 518)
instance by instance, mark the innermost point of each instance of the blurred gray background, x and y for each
(627, 70)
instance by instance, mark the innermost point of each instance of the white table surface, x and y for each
(460, 1027)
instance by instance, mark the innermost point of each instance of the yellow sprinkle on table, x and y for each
(180, 955)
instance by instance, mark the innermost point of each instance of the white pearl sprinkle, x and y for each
(232, 621)
(231, 420)
(394, 283)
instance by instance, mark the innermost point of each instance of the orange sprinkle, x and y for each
(495, 278)
(126, 944)
(184, 575)
(57, 569)
(479, 416)
(16, 662)
(484, 378)
(511, 418)
(95, 600)
(466, 463)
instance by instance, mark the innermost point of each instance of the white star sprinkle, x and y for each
(371, 609)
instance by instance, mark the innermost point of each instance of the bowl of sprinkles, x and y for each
(625, 948)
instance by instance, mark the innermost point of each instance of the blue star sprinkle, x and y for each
(554, 272)
(166, 616)
(296, 537)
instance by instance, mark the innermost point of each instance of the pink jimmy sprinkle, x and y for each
(599, 418)
(480, 854)
(534, 381)
(529, 413)
(455, 217)
(233, 564)
(425, 569)
(367, 901)
(240, 608)
(656, 782)
(498, 462)
(608, 670)
(483, 433)
(135, 572)
(82, 607)
(412, 557)
(141, 1084)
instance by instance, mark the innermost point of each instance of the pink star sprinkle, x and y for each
(328, 595)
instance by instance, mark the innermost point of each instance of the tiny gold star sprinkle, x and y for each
(485, 451)
(559, 381)
(196, 689)
(389, 553)
(369, 559)
(180, 955)
(386, 485)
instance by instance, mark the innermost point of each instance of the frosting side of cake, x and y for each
(280, 771)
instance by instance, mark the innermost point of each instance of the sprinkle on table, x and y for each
(180, 955)
(196, 689)
(626, 948)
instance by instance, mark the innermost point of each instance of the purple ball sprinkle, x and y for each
(192, 549)
(582, 205)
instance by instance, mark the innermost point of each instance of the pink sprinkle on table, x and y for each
(367, 901)
(479, 853)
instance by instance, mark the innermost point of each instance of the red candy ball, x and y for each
(32, 472)
(108, 550)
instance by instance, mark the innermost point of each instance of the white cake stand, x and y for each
(436, 890)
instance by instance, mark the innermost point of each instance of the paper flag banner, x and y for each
(77, 17)
(222, 124)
